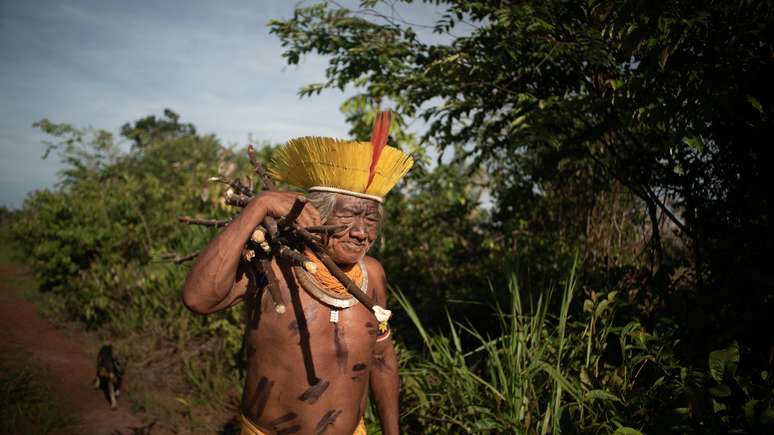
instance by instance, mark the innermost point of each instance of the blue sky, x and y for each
(99, 63)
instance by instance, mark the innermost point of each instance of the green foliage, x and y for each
(96, 244)
(104, 231)
(563, 102)
(631, 132)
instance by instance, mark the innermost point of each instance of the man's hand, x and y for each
(278, 204)
(213, 282)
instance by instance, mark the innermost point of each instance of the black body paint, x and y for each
(360, 371)
(313, 393)
(290, 416)
(371, 328)
(296, 328)
(284, 419)
(341, 347)
(380, 362)
(303, 331)
(260, 397)
(255, 286)
(327, 420)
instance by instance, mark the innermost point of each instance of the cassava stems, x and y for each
(205, 222)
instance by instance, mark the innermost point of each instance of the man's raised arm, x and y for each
(212, 283)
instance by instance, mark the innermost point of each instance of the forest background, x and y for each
(587, 253)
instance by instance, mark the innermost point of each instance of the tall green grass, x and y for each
(541, 374)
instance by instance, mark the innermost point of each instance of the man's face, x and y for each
(362, 218)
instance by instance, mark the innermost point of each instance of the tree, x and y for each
(567, 100)
(149, 129)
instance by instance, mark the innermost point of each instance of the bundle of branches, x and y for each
(280, 238)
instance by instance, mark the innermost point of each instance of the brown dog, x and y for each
(109, 374)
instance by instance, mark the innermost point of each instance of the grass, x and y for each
(528, 378)
(26, 403)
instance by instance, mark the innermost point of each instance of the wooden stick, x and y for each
(297, 258)
(237, 201)
(234, 184)
(268, 183)
(251, 154)
(173, 257)
(354, 290)
(325, 229)
(259, 237)
(271, 226)
(294, 213)
(205, 222)
(273, 285)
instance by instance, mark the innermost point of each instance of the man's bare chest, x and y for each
(303, 364)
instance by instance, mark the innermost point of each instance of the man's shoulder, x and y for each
(373, 266)
(372, 262)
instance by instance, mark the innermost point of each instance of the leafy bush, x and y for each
(96, 243)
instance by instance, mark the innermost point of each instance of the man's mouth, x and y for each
(354, 246)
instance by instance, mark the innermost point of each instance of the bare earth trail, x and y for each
(71, 367)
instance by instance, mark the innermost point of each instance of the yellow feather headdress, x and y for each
(365, 169)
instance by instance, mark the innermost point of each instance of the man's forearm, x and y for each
(212, 275)
(385, 387)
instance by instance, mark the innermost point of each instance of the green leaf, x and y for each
(602, 395)
(624, 430)
(601, 307)
(662, 60)
(721, 390)
(695, 143)
(723, 362)
(516, 123)
(588, 306)
(615, 83)
(755, 103)
(486, 424)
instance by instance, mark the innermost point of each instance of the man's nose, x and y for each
(358, 231)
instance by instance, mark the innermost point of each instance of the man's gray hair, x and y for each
(325, 202)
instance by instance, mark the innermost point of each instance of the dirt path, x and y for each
(66, 356)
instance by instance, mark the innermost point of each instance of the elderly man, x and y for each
(309, 369)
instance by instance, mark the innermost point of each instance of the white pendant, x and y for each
(334, 316)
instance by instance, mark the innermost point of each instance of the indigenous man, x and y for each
(309, 370)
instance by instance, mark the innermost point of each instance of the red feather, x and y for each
(378, 141)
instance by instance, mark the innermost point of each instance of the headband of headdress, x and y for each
(363, 169)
